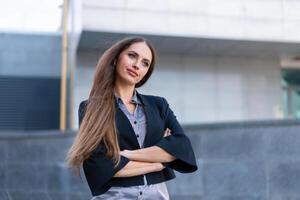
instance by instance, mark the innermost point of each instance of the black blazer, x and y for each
(99, 170)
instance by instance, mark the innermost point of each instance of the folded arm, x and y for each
(149, 154)
(174, 149)
(152, 154)
(135, 168)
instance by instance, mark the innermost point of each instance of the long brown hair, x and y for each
(98, 125)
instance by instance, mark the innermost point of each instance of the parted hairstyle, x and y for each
(98, 126)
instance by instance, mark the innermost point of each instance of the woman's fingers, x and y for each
(124, 153)
(167, 132)
(159, 166)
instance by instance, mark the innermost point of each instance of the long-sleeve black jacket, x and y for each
(99, 170)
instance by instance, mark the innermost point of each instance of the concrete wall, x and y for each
(270, 20)
(29, 54)
(33, 167)
(252, 160)
(204, 88)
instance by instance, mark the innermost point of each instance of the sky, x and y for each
(30, 15)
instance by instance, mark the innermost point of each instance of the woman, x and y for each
(128, 143)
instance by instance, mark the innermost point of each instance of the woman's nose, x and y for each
(136, 65)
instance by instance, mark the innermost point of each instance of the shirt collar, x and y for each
(134, 98)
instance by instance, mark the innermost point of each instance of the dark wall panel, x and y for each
(29, 103)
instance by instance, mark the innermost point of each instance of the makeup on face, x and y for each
(134, 62)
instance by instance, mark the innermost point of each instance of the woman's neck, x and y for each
(125, 92)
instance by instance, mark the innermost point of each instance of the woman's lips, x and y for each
(132, 73)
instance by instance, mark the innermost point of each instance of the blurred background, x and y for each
(230, 71)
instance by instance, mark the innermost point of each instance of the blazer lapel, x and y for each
(125, 129)
(154, 127)
(149, 120)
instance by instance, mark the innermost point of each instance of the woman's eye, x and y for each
(131, 55)
(146, 64)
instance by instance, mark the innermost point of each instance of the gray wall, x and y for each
(211, 88)
(29, 54)
(33, 167)
(29, 80)
(270, 20)
(251, 161)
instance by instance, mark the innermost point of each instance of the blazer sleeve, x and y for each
(177, 144)
(98, 168)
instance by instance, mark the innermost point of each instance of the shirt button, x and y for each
(134, 122)
(141, 193)
(137, 135)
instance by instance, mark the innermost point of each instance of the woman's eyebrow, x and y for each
(133, 52)
(138, 55)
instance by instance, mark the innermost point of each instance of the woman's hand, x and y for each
(125, 153)
(159, 166)
(167, 132)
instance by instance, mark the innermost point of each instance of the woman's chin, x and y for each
(131, 82)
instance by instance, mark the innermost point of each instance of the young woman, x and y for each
(128, 143)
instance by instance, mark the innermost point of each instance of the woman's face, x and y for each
(133, 63)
